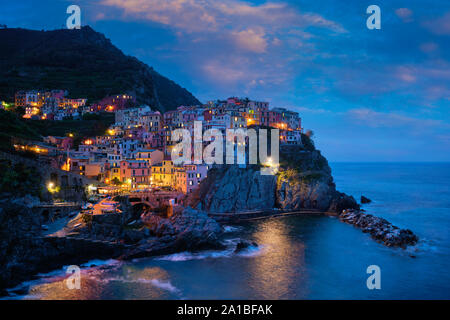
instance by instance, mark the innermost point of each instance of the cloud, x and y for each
(405, 14)
(429, 47)
(241, 73)
(375, 119)
(251, 40)
(439, 26)
(215, 15)
(406, 74)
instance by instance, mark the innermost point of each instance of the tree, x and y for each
(117, 182)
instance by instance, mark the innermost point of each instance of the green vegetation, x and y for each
(19, 179)
(307, 141)
(311, 177)
(12, 126)
(79, 128)
(117, 182)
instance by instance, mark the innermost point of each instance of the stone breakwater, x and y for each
(380, 229)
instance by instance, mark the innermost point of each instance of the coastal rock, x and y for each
(190, 230)
(244, 244)
(380, 229)
(304, 181)
(24, 251)
(234, 189)
(28, 201)
(365, 200)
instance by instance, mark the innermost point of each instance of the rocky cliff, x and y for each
(304, 181)
(234, 189)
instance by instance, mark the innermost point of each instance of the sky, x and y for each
(368, 95)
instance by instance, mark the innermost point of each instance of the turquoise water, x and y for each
(310, 257)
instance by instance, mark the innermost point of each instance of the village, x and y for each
(133, 157)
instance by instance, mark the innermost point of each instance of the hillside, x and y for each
(85, 63)
(12, 126)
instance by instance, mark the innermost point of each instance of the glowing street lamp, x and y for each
(51, 187)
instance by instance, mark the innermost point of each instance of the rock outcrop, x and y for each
(365, 200)
(304, 181)
(232, 189)
(190, 230)
(25, 252)
(379, 229)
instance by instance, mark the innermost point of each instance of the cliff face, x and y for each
(303, 182)
(232, 189)
(85, 63)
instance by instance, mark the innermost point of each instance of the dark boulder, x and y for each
(190, 230)
(244, 244)
(365, 200)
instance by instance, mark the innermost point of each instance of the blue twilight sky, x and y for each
(369, 95)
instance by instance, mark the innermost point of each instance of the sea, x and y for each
(297, 257)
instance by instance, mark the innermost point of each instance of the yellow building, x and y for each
(114, 172)
(163, 174)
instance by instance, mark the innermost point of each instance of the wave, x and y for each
(55, 276)
(229, 229)
(186, 256)
(251, 251)
(425, 245)
(161, 284)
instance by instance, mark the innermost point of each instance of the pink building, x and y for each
(135, 172)
(270, 118)
(188, 177)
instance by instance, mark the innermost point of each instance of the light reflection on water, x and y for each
(283, 262)
(122, 281)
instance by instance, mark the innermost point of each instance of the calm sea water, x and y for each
(310, 257)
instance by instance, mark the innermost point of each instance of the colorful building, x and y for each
(135, 172)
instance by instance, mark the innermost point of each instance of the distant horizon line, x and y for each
(387, 162)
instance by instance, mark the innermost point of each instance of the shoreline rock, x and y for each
(380, 229)
(244, 244)
(365, 200)
(25, 252)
